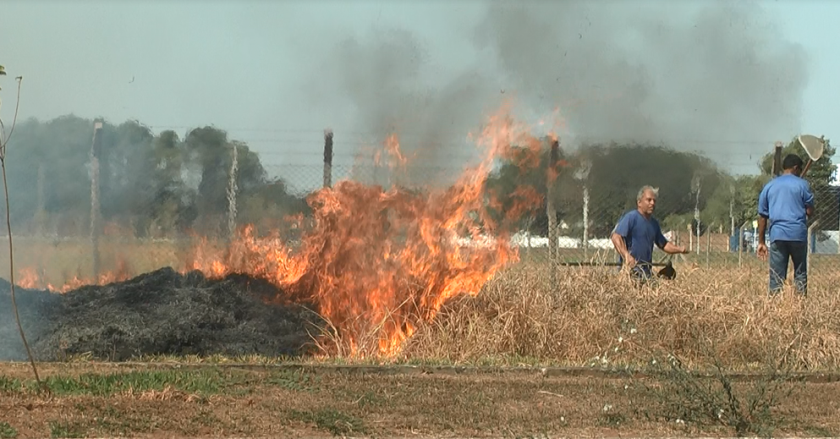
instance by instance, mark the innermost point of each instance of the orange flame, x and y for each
(376, 263)
(382, 262)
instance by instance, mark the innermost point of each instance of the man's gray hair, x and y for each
(646, 188)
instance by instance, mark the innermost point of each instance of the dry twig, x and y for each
(4, 141)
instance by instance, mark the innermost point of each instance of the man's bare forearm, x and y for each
(762, 226)
(620, 246)
(671, 248)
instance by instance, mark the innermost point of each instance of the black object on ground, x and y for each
(158, 313)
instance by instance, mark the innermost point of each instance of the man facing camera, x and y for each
(636, 233)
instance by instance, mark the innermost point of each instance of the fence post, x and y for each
(231, 193)
(95, 147)
(552, 214)
(690, 238)
(328, 156)
(777, 158)
(741, 242)
(808, 244)
(586, 221)
(708, 245)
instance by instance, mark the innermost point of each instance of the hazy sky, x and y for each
(704, 76)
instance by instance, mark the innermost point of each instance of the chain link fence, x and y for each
(58, 251)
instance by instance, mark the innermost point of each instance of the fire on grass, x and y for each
(376, 262)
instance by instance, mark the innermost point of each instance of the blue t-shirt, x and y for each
(783, 201)
(640, 234)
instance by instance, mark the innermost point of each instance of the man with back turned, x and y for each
(786, 202)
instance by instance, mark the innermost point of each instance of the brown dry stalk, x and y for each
(606, 321)
(5, 142)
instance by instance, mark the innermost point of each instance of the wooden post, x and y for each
(777, 159)
(328, 156)
(708, 244)
(808, 251)
(551, 212)
(95, 211)
(41, 209)
(231, 192)
(586, 221)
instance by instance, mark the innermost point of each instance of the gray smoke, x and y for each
(393, 86)
(711, 77)
(714, 77)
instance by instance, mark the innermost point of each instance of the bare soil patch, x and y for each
(153, 401)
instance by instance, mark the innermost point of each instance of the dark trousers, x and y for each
(780, 253)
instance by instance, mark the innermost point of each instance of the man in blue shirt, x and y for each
(636, 233)
(787, 202)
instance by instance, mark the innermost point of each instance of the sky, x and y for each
(704, 76)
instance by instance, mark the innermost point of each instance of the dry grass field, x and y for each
(593, 316)
(715, 319)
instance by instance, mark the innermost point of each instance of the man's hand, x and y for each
(629, 261)
(761, 251)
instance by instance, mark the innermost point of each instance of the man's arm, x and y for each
(621, 231)
(762, 228)
(808, 200)
(763, 215)
(665, 245)
(673, 249)
(619, 244)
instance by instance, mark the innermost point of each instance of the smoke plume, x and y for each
(394, 87)
(715, 78)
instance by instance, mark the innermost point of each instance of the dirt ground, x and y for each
(90, 399)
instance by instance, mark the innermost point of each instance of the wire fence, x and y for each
(58, 251)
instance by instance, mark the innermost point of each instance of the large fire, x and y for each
(377, 262)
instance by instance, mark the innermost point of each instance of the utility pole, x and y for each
(582, 175)
(696, 187)
(95, 212)
(231, 193)
(41, 209)
(777, 158)
(551, 212)
(328, 156)
(732, 210)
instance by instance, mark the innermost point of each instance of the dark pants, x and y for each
(780, 252)
(641, 273)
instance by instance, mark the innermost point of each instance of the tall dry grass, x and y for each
(600, 318)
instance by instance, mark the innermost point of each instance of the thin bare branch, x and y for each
(11, 246)
(17, 107)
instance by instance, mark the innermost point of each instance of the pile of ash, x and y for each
(158, 313)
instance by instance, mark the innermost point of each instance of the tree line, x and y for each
(163, 184)
(690, 186)
(151, 184)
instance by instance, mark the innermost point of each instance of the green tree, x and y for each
(737, 196)
(517, 190)
(618, 171)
